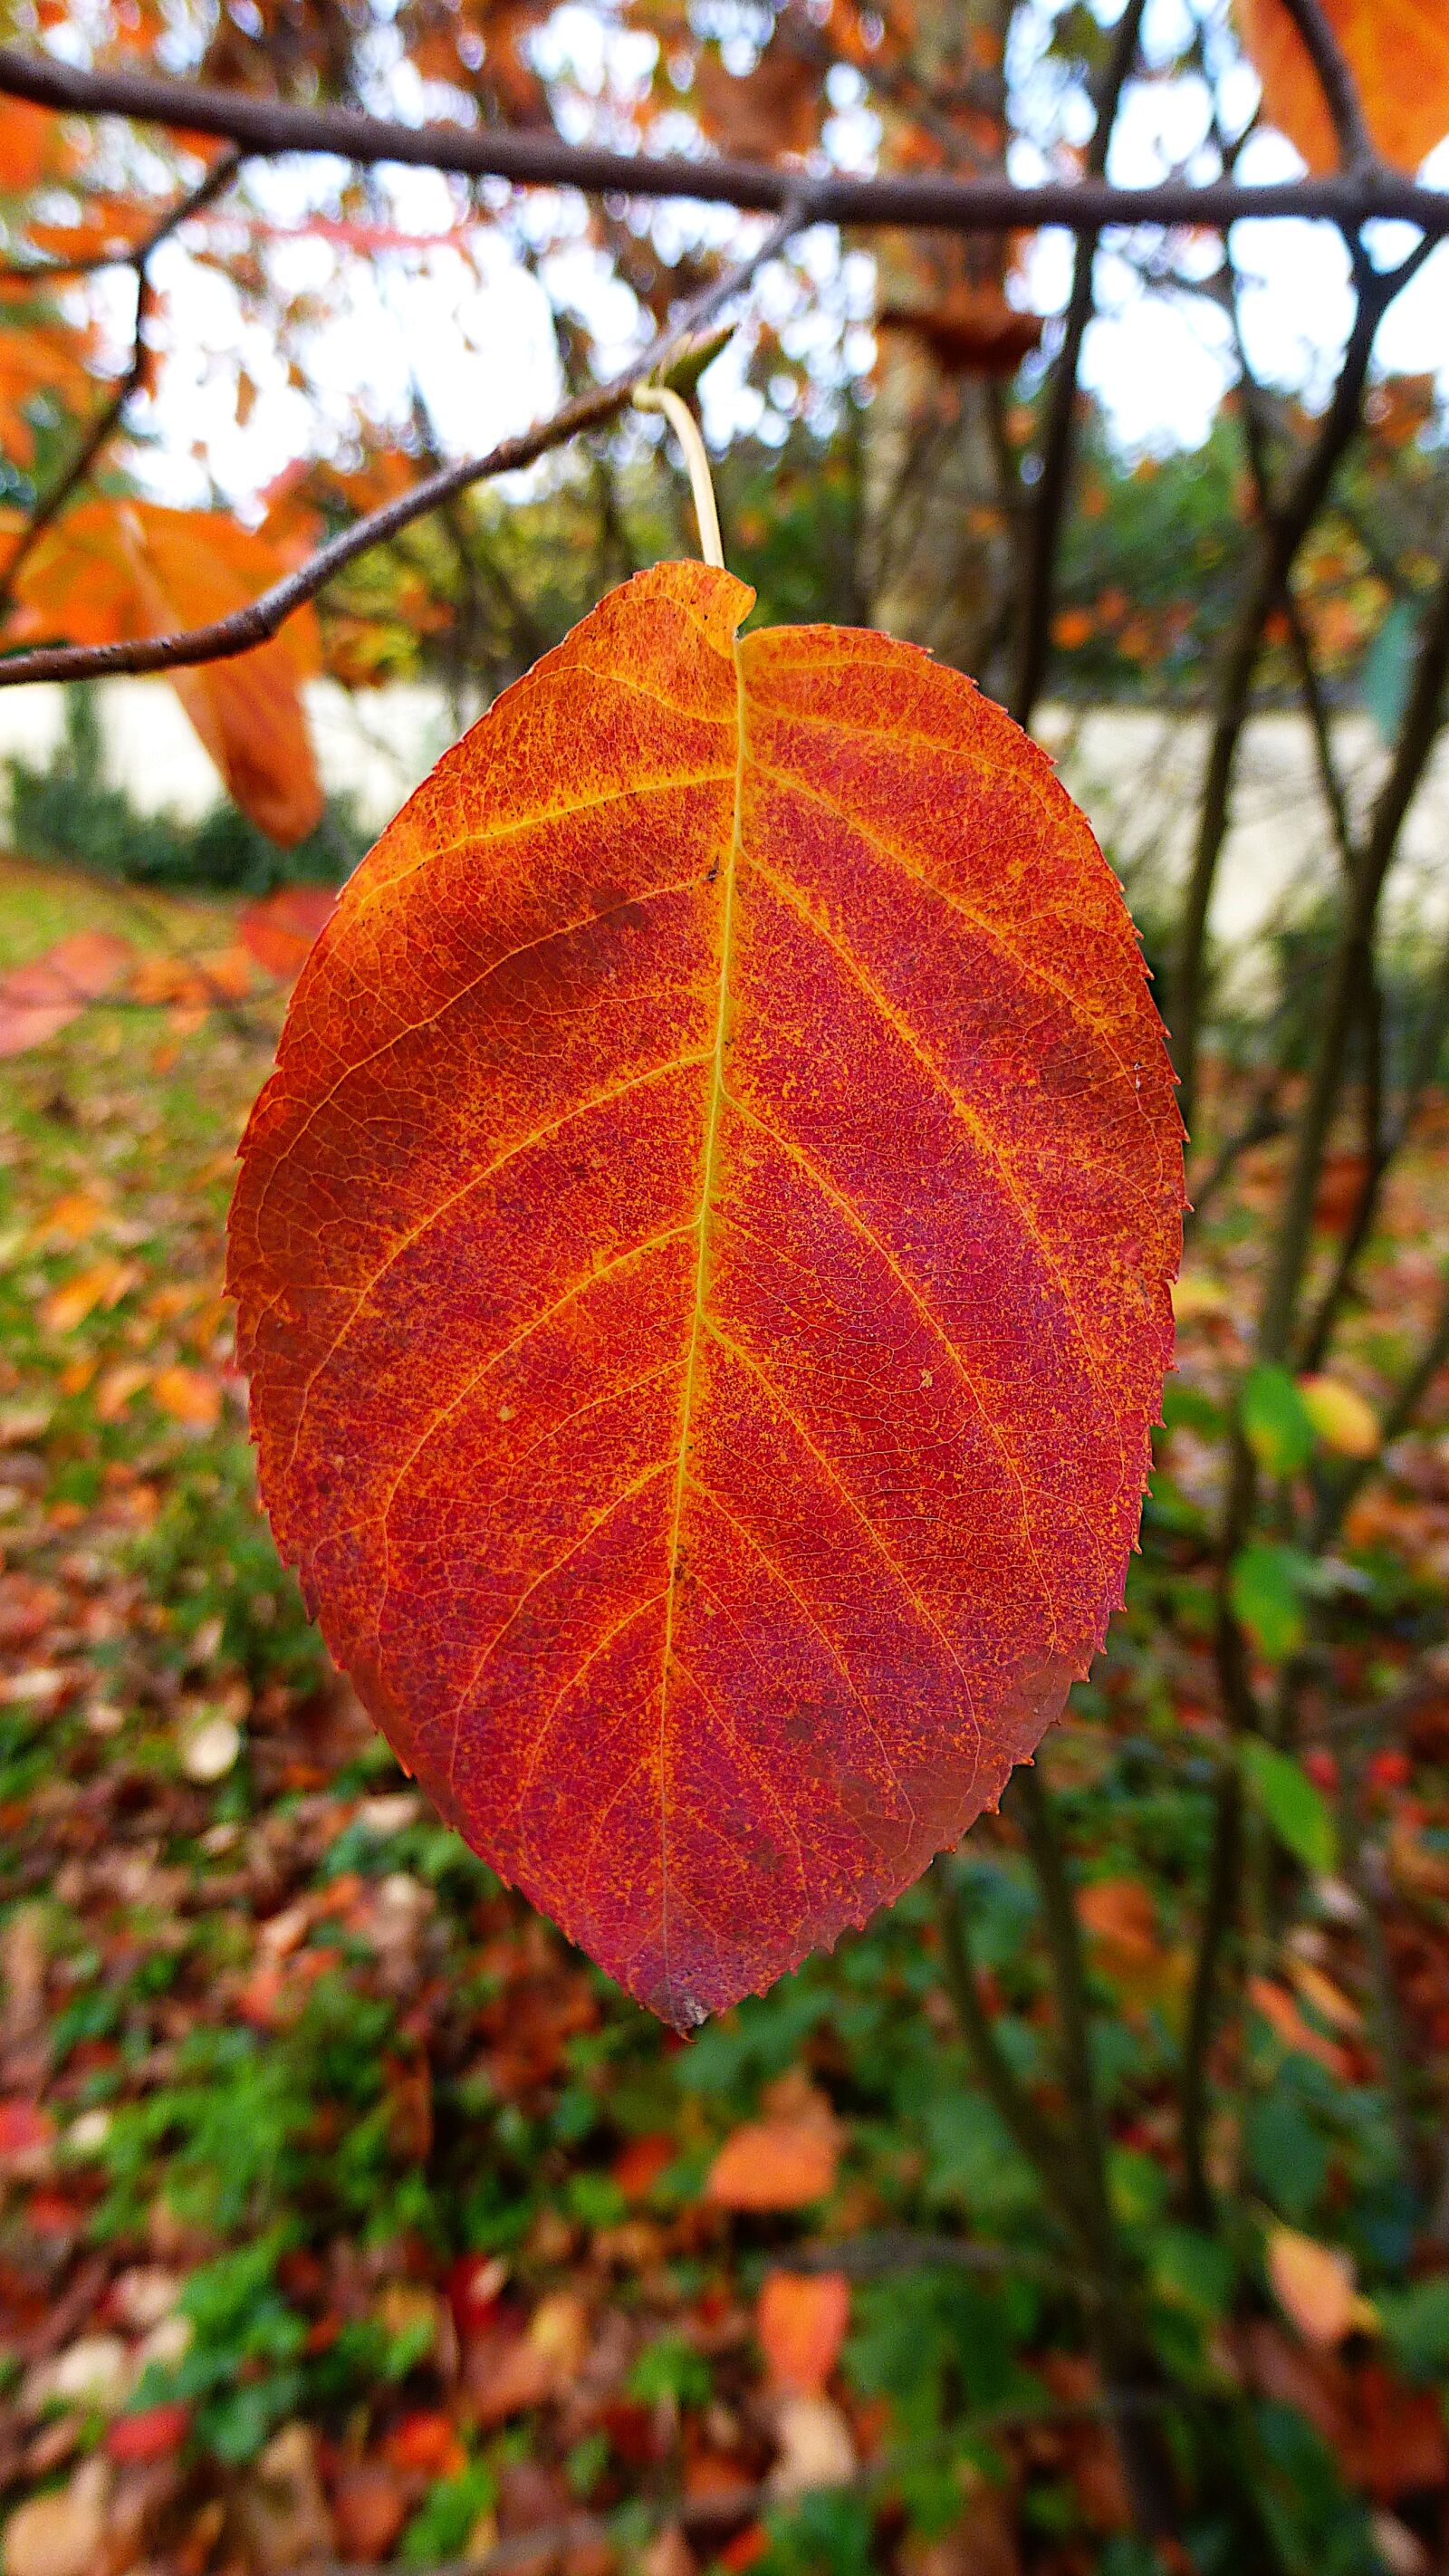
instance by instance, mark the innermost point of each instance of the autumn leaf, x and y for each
(783, 2161)
(41, 998)
(1398, 53)
(191, 1396)
(278, 931)
(800, 2323)
(1281, 2013)
(1314, 2286)
(104, 1284)
(972, 331)
(702, 1262)
(117, 569)
(773, 109)
(1344, 1420)
(1121, 1916)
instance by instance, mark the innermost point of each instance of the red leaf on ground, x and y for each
(153, 2434)
(40, 999)
(280, 929)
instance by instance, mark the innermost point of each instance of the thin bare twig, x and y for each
(260, 620)
(1058, 442)
(1281, 539)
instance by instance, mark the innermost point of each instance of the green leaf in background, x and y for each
(1266, 1589)
(1189, 1408)
(1416, 2325)
(1298, 1812)
(1276, 1421)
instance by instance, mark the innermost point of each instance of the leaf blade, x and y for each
(696, 1572)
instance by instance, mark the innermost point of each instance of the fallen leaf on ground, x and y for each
(37, 1001)
(280, 930)
(800, 2323)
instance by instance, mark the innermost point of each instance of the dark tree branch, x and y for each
(1352, 963)
(1049, 499)
(1219, 1915)
(260, 620)
(1281, 540)
(270, 126)
(1009, 2098)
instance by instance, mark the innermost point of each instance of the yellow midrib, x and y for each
(686, 1410)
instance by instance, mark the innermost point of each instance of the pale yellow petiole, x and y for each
(686, 429)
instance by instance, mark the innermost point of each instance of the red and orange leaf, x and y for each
(1398, 53)
(116, 569)
(40, 999)
(703, 1266)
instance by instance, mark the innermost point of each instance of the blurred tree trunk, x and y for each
(936, 546)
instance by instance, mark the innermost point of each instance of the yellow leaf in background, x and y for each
(1344, 1420)
(1194, 1294)
(117, 1386)
(71, 1219)
(1327, 2000)
(190, 1396)
(102, 1285)
(1315, 2287)
(177, 1297)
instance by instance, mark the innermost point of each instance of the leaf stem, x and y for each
(687, 430)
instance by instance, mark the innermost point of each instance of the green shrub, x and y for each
(69, 810)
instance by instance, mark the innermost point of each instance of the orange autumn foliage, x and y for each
(115, 569)
(1398, 52)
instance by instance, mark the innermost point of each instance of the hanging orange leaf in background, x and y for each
(41, 359)
(116, 569)
(702, 1261)
(34, 145)
(1398, 53)
(773, 109)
